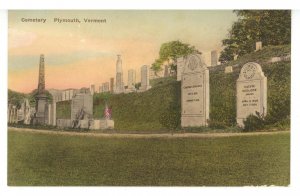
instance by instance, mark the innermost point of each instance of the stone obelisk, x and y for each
(40, 116)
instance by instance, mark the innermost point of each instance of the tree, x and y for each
(33, 94)
(169, 52)
(272, 27)
(156, 66)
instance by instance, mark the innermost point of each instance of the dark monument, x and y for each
(40, 116)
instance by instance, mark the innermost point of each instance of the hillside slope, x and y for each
(159, 108)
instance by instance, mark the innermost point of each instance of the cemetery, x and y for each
(218, 95)
(179, 121)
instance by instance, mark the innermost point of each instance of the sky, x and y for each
(80, 54)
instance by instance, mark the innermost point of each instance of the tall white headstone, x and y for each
(119, 76)
(92, 89)
(214, 58)
(180, 65)
(251, 92)
(194, 92)
(131, 79)
(145, 76)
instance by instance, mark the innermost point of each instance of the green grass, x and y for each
(43, 159)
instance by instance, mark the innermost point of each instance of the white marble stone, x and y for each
(112, 83)
(102, 124)
(258, 46)
(180, 65)
(92, 89)
(119, 76)
(228, 69)
(214, 58)
(235, 57)
(131, 79)
(82, 101)
(275, 59)
(251, 92)
(145, 78)
(194, 92)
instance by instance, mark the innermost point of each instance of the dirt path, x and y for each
(152, 135)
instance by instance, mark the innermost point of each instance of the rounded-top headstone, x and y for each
(251, 71)
(194, 63)
(251, 92)
(194, 92)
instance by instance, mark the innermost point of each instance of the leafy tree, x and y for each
(272, 27)
(15, 98)
(156, 66)
(169, 52)
(33, 94)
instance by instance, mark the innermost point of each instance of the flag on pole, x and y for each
(107, 112)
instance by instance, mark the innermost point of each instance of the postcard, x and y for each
(149, 97)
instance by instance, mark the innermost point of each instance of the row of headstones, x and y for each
(251, 92)
(23, 114)
(214, 54)
(145, 81)
(119, 87)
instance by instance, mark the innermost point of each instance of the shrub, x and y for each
(217, 124)
(254, 122)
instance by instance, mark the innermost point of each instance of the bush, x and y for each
(217, 124)
(254, 122)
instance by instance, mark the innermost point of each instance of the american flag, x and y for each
(107, 112)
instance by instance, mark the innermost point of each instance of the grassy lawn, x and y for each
(44, 159)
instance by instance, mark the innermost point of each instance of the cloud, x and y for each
(19, 38)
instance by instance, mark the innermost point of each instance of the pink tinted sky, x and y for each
(80, 54)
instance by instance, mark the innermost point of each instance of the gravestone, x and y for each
(119, 76)
(251, 92)
(81, 102)
(258, 46)
(27, 117)
(112, 85)
(50, 111)
(167, 71)
(92, 89)
(214, 58)
(9, 113)
(145, 82)
(235, 57)
(180, 65)
(275, 59)
(131, 81)
(228, 69)
(194, 92)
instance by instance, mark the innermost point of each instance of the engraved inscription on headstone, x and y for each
(194, 92)
(251, 92)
